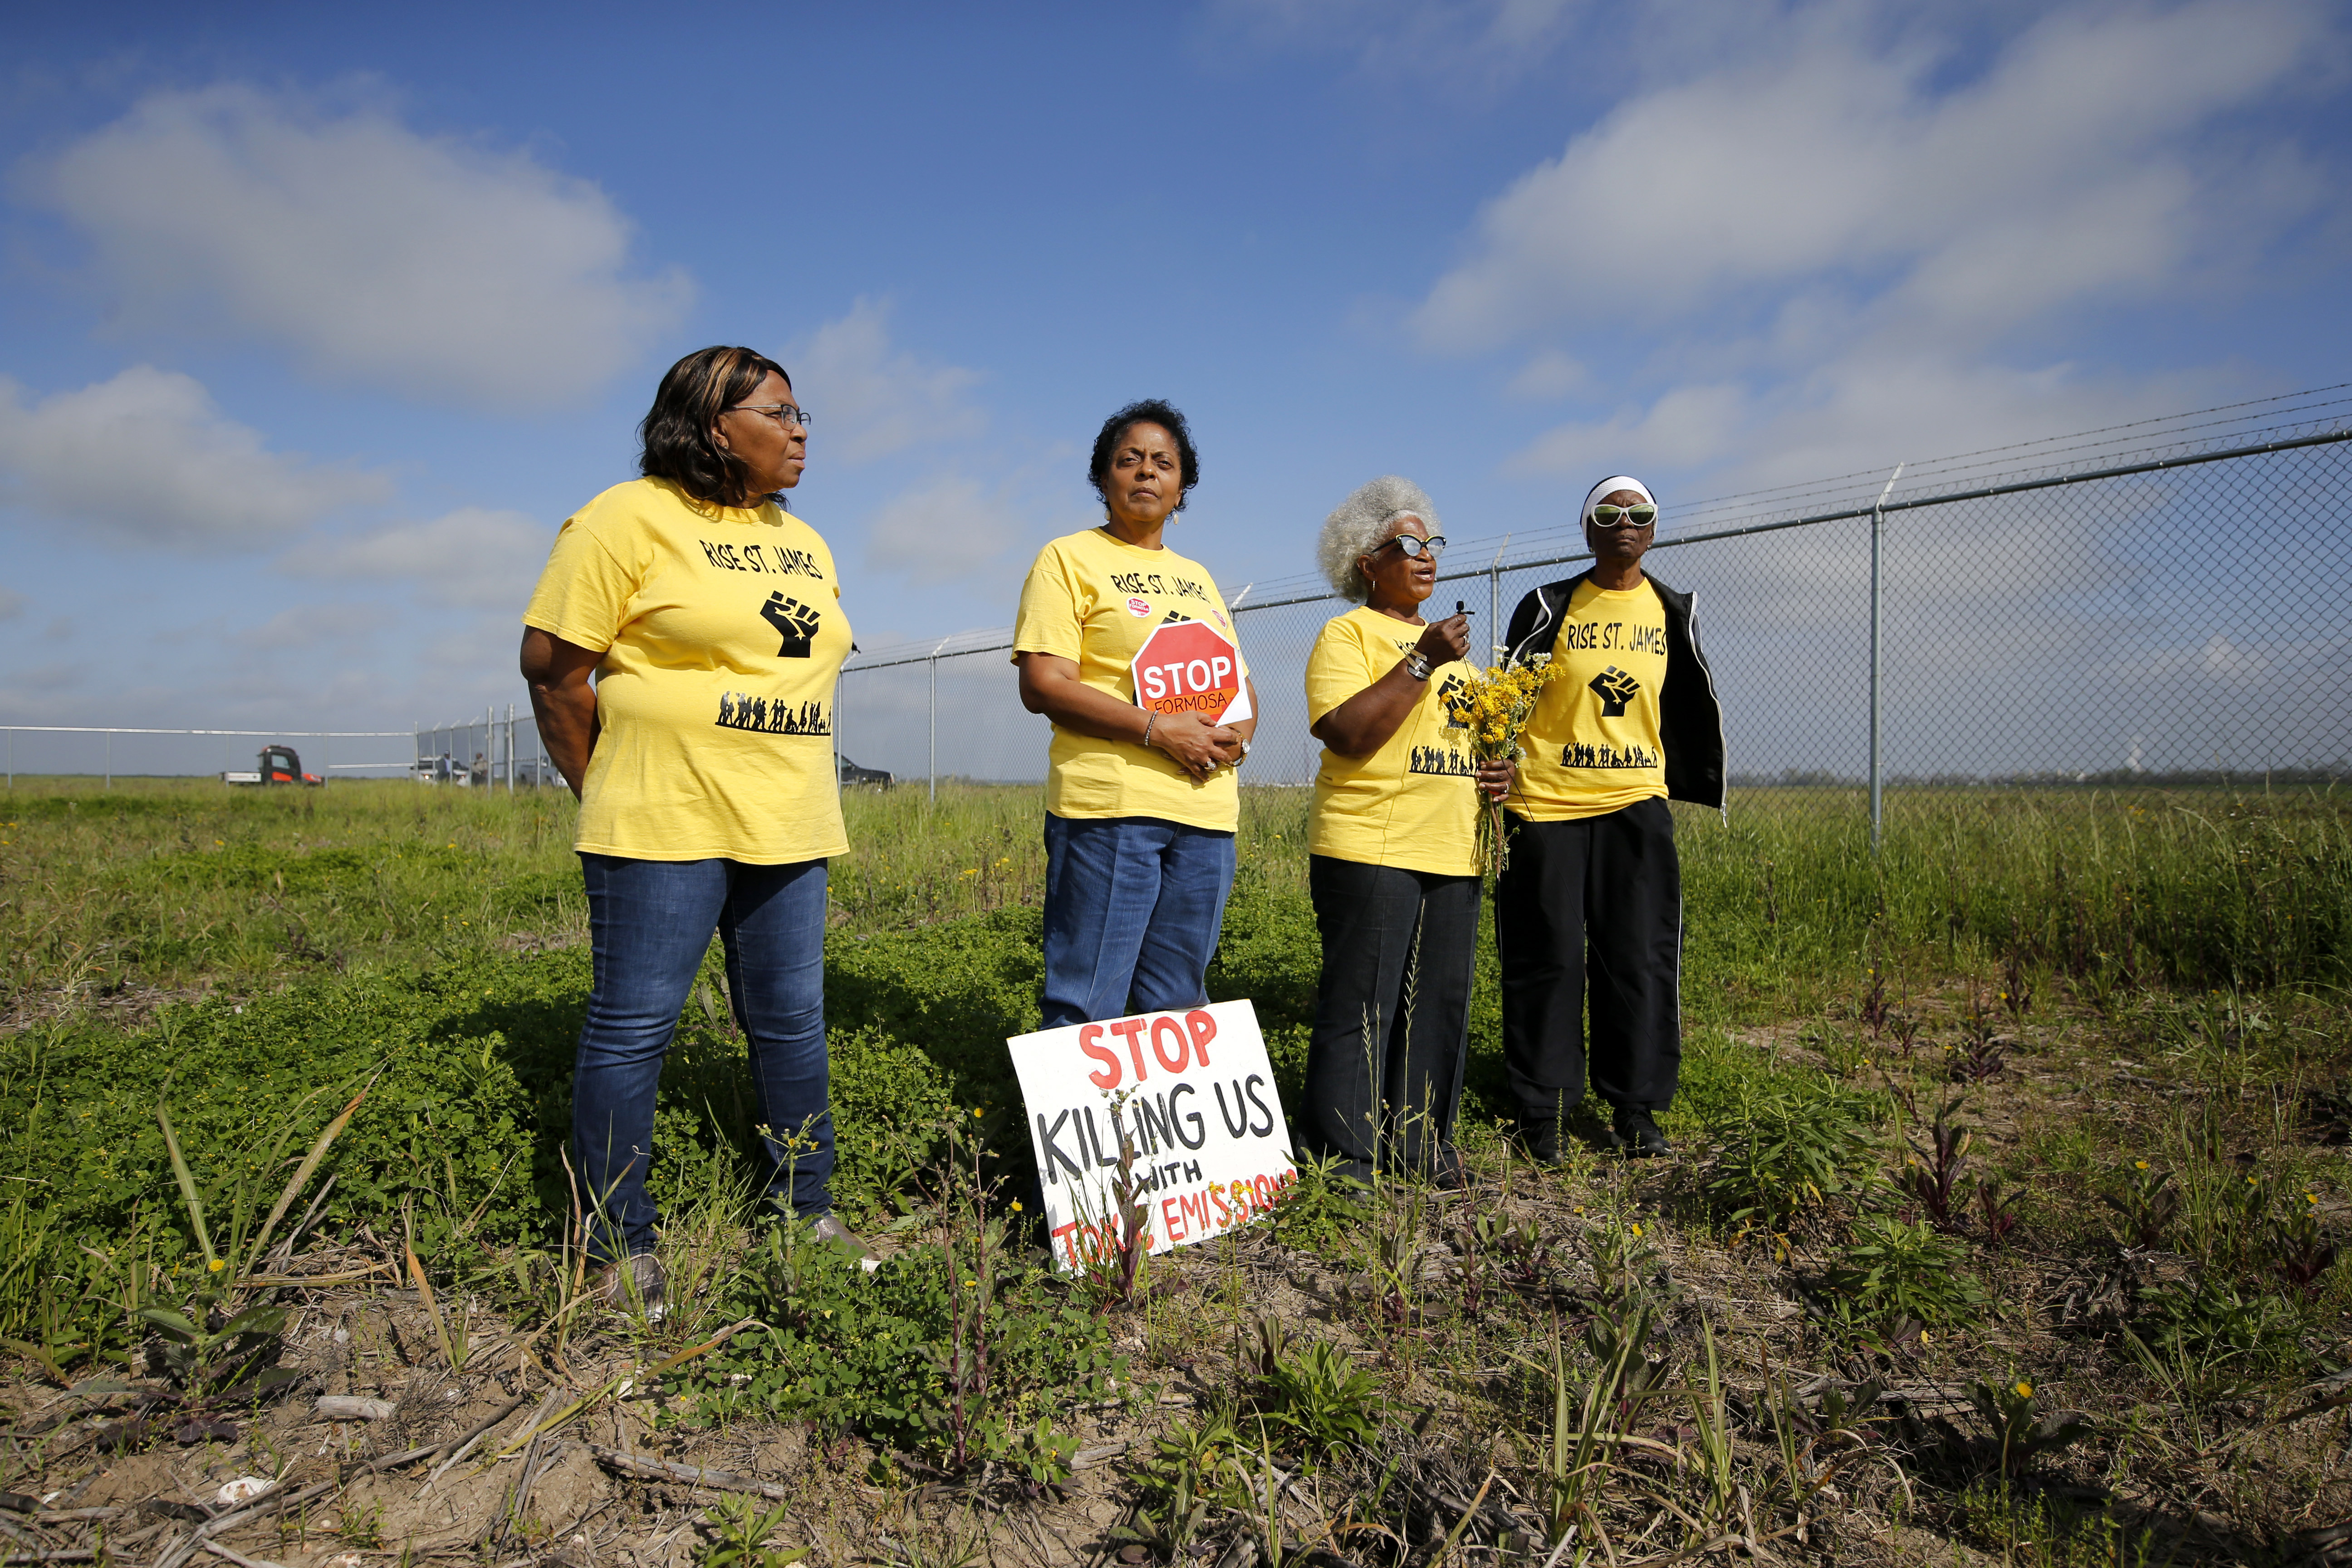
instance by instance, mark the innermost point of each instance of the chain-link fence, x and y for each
(107, 753)
(501, 752)
(489, 752)
(2170, 599)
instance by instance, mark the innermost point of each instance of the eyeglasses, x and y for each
(783, 413)
(1413, 546)
(1607, 516)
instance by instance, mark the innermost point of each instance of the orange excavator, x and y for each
(279, 766)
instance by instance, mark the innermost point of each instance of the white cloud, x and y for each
(1472, 43)
(314, 627)
(2082, 162)
(872, 399)
(428, 265)
(473, 558)
(148, 456)
(1549, 373)
(1861, 410)
(1688, 427)
(944, 532)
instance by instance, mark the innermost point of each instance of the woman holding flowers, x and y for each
(1630, 721)
(1393, 868)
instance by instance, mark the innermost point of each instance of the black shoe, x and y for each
(1445, 1171)
(1540, 1136)
(1638, 1132)
(1586, 1124)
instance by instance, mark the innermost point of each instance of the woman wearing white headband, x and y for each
(1629, 723)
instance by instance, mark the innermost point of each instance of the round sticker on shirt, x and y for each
(1139, 607)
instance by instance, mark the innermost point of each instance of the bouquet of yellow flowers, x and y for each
(1494, 704)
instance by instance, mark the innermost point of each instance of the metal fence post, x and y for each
(932, 722)
(1877, 606)
(1495, 604)
(110, 759)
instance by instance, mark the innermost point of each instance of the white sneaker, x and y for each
(834, 1234)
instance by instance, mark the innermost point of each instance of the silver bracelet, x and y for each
(1417, 665)
(1151, 717)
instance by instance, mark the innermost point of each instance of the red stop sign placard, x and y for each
(1187, 667)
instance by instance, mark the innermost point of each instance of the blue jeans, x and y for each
(650, 921)
(1133, 905)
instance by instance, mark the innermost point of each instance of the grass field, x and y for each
(2126, 1010)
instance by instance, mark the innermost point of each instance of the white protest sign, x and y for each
(1192, 1092)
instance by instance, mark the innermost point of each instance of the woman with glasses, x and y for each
(1129, 648)
(709, 616)
(1592, 880)
(1393, 865)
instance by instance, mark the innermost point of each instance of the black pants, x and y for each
(1392, 1014)
(1609, 888)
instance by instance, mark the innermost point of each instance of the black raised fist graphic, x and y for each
(1615, 688)
(793, 621)
(1452, 699)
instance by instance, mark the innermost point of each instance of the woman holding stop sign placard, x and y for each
(1129, 648)
(1392, 850)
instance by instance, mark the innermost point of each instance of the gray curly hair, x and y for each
(1358, 526)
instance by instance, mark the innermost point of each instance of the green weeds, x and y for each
(2022, 1431)
(1322, 1400)
(2034, 1528)
(2146, 1205)
(737, 1532)
(1896, 1270)
(370, 938)
(1324, 1209)
(1795, 1153)
(925, 1354)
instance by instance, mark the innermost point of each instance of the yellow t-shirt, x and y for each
(1095, 600)
(1593, 746)
(1414, 804)
(722, 636)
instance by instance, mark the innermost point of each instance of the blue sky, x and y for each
(316, 322)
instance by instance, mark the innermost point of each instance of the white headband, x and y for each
(1608, 486)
